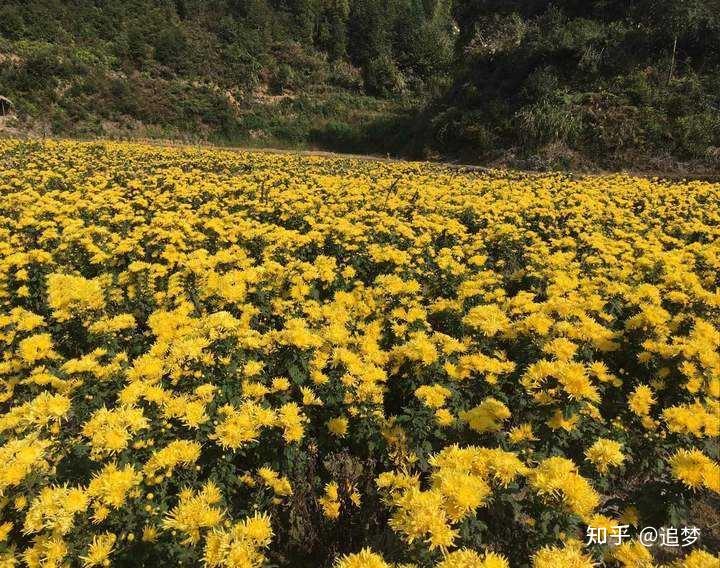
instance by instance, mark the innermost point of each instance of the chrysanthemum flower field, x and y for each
(227, 359)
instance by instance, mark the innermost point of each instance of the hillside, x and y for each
(576, 84)
(534, 84)
(271, 73)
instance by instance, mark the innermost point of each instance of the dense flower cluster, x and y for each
(246, 359)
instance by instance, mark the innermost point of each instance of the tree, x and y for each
(331, 29)
(171, 47)
(368, 32)
(12, 25)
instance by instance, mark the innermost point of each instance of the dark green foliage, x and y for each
(235, 71)
(382, 77)
(533, 83)
(607, 83)
(171, 48)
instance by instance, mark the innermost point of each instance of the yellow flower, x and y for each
(309, 398)
(558, 421)
(280, 384)
(489, 319)
(114, 324)
(242, 425)
(5, 529)
(73, 295)
(330, 502)
(444, 417)
(99, 550)
(695, 469)
(641, 399)
(569, 557)
(195, 512)
(462, 492)
(698, 559)
(44, 409)
(630, 516)
(562, 348)
(633, 554)
(150, 533)
(605, 454)
(36, 348)
(111, 485)
(239, 544)
(532, 301)
(692, 419)
(433, 396)
(558, 476)
(522, 433)
(253, 368)
(366, 558)
(470, 559)
(110, 431)
(54, 509)
(177, 452)
(338, 426)
(279, 484)
(291, 419)
(487, 416)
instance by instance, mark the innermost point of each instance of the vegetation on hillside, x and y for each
(269, 72)
(614, 82)
(536, 84)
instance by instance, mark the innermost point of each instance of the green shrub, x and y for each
(283, 79)
(171, 47)
(382, 77)
(337, 136)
